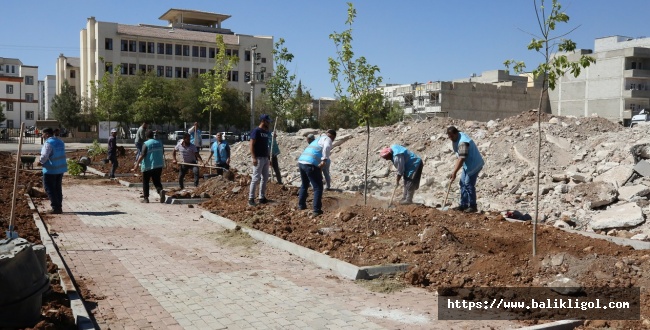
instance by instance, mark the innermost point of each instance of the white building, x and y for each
(615, 87)
(68, 68)
(18, 92)
(49, 92)
(186, 46)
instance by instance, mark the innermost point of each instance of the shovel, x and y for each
(444, 204)
(392, 196)
(199, 165)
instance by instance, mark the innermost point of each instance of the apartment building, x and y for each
(185, 46)
(18, 92)
(615, 87)
(49, 92)
(68, 68)
(491, 95)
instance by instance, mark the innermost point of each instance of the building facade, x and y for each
(18, 93)
(49, 92)
(68, 68)
(492, 95)
(184, 47)
(615, 87)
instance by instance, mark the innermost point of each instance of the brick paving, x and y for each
(160, 266)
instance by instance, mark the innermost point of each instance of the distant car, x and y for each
(207, 139)
(133, 131)
(643, 118)
(175, 135)
(230, 137)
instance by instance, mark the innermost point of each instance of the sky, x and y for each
(409, 40)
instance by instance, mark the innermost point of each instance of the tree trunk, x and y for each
(365, 179)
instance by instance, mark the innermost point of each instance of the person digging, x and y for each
(408, 165)
(469, 158)
(189, 155)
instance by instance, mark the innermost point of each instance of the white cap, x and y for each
(114, 130)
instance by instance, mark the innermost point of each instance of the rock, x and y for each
(380, 173)
(491, 124)
(515, 188)
(557, 259)
(554, 120)
(588, 248)
(469, 124)
(559, 177)
(623, 216)
(426, 234)
(561, 189)
(236, 189)
(306, 131)
(561, 224)
(559, 141)
(341, 139)
(578, 178)
(205, 195)
(594, 194)
(346, 178)
(640, 237)
(628, 192)
(565, 286)
(616, 176)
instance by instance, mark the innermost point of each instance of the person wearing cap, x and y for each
(221, 151)
(310, 138)
(470, 159)
(310, 163)
(152, 158)
(259, 148)
(54, 164)
(275, 151)
(112, 152)
(195, 136)
(140, 137)
(408, 165)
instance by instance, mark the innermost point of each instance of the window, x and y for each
(195, 51)
(108, 43)
(10, 89)
(235, 52)
(211, 52)
(195, 71)
(202, 52)
(29, 80)
(263, 59)
(10, 106)
(247, 76)
(7, 68)
(633, 65)
(161, 48)
(169, 49)
(132, 69)
(108, 67)
(247, 55)
(186, 72)
(124, 68)
(29, 97)
(150, 68)
(29, 115)
(124, 45)
(202, 71)
(151, 46)
(235, 76)
(168, 72)
(73, 74)
(132, 45)
(179, 50)
(143, 46)
(179, 72)
(13, 69)
(263, 90)
(143, 68)
(228, 52)
(10, 123)
(186, 50)
(632, 86)
(160, 71)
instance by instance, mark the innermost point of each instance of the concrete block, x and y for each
(635, 244)
(628, 192)
(623, 216)
(643, 168)
(616, 176)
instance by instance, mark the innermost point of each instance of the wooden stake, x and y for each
(11, 233)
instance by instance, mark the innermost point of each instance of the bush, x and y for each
(96, 149)
(74, 169)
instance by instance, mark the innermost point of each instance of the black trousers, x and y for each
(412, 184)
(153, 175)
(224, 165)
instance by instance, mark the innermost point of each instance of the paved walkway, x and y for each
(160, 266)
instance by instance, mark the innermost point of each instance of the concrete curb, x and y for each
(340, 267)
(559, 325)
(95, 171)
(636, 244)
(79, 311)
(185, 200)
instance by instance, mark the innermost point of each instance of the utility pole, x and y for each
(252, 82)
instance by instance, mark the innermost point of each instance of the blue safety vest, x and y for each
(412, 161)
(473, 162)
(220, 151)
(198, 133)
(313, 153)
(154, 158)
(56, 163)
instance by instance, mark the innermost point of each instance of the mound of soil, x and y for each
(442, 248)
(55, 310)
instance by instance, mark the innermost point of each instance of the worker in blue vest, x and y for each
(221, 151)
(310, 164)
(469, 158)
(408, 165)
(195, 136)
(54, 165)
(152, 158)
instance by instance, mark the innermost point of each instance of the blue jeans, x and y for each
(52, 184)
(468, 189)
(138, 147)
(310, 174)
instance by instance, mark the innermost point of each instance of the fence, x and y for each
(12, 135)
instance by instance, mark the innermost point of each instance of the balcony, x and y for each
(636, 73)
(633, 93)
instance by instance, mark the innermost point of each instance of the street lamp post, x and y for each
(252, 82)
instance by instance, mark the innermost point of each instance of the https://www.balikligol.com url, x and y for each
(537, 304)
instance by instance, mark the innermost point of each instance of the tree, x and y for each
(355, 81)
(280, 87)
(2, 114)
(114, 95)
(339, 115)
(152, 101)
(553, 68)
(67, 107)
(216, 81)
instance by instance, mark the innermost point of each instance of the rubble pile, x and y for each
(585, 165)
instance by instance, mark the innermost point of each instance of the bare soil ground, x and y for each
(443, 248)
(55, 311)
